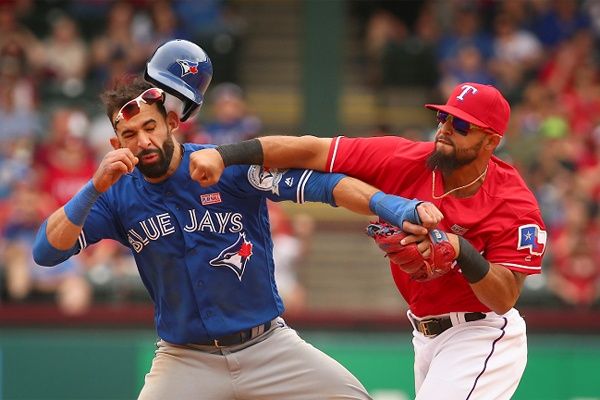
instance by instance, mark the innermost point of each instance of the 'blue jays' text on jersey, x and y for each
(204, 254)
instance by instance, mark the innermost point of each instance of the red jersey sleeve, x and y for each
(521, 245)
(371, 159)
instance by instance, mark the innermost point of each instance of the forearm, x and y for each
(494, 285)
(304, 152)
(55, 240)
(499, 289)
(354, 195)
(57, 236)
(308, 152)
(60, 231)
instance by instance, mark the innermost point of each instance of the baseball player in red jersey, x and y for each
(469, 341)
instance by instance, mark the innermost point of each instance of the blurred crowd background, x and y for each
(56, 56)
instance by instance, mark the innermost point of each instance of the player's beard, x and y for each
(165, 155)
(447, 163)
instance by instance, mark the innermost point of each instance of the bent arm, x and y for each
(56, 238)
(500, 288)
(494, 285)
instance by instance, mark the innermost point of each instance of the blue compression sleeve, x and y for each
(319, 187)
(395, 209)
(44, 253)
(78, 208)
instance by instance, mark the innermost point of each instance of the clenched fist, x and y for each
(113, 166)
(206, 166)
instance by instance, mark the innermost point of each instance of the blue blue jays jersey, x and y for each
(204, 254)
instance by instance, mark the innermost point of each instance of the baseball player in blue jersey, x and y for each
(205, 254)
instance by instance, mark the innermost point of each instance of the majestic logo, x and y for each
(265, 178)
(235, 256)
(533, 238)
(210, 198)
(466, 89)
(188, 67)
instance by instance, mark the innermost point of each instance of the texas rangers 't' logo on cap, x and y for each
(188, 67)
(235, 256)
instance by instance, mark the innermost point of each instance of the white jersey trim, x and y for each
(82, 240)
(335, 149)
(520, 266)
(301, 184)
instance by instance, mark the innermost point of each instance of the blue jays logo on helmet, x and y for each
(183, 69)
(235, 256)
(188, 67)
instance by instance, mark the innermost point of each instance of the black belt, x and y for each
(238, 337)
(434, 326)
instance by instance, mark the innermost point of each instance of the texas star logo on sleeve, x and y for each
(532, 237)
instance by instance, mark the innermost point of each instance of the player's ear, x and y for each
(172, 121)
(115, 143)
(492, 142)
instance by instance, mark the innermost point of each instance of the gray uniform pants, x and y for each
(277, 365)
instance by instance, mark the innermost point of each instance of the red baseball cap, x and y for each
(481, 105)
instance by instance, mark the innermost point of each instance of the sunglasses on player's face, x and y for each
(132, 107)
(461, 126)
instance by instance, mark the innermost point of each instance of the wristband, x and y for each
(248, 152)
(472, 264)
(395, 209)
(78, 208)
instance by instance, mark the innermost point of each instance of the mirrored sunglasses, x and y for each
(461, 126)
(133, 107)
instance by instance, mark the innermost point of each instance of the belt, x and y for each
(238, 337)
(434, 326)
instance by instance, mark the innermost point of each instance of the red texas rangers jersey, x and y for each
(502, 220)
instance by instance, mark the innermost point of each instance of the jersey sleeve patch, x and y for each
(265, 178)
(533, 238)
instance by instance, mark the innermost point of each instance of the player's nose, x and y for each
(143, 140)
(445, 128)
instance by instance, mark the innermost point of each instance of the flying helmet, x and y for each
(182, 69)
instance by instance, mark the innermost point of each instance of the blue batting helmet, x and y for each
(182, 69)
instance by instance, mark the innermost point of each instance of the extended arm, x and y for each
(207, 166)
(357, 196)
(305, 152)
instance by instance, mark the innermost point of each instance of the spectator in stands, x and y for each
(468, 66)
(291, 241)
(117, 42)
(26, 281)
(516, 55)
(557, 21)
(465, 32)
(575, 275)
(65, 161)
(232, 121)
(63, 59)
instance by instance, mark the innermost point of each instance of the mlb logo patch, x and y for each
(533, 238)
(210, 198)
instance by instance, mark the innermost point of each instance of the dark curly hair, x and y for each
(123, 90)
